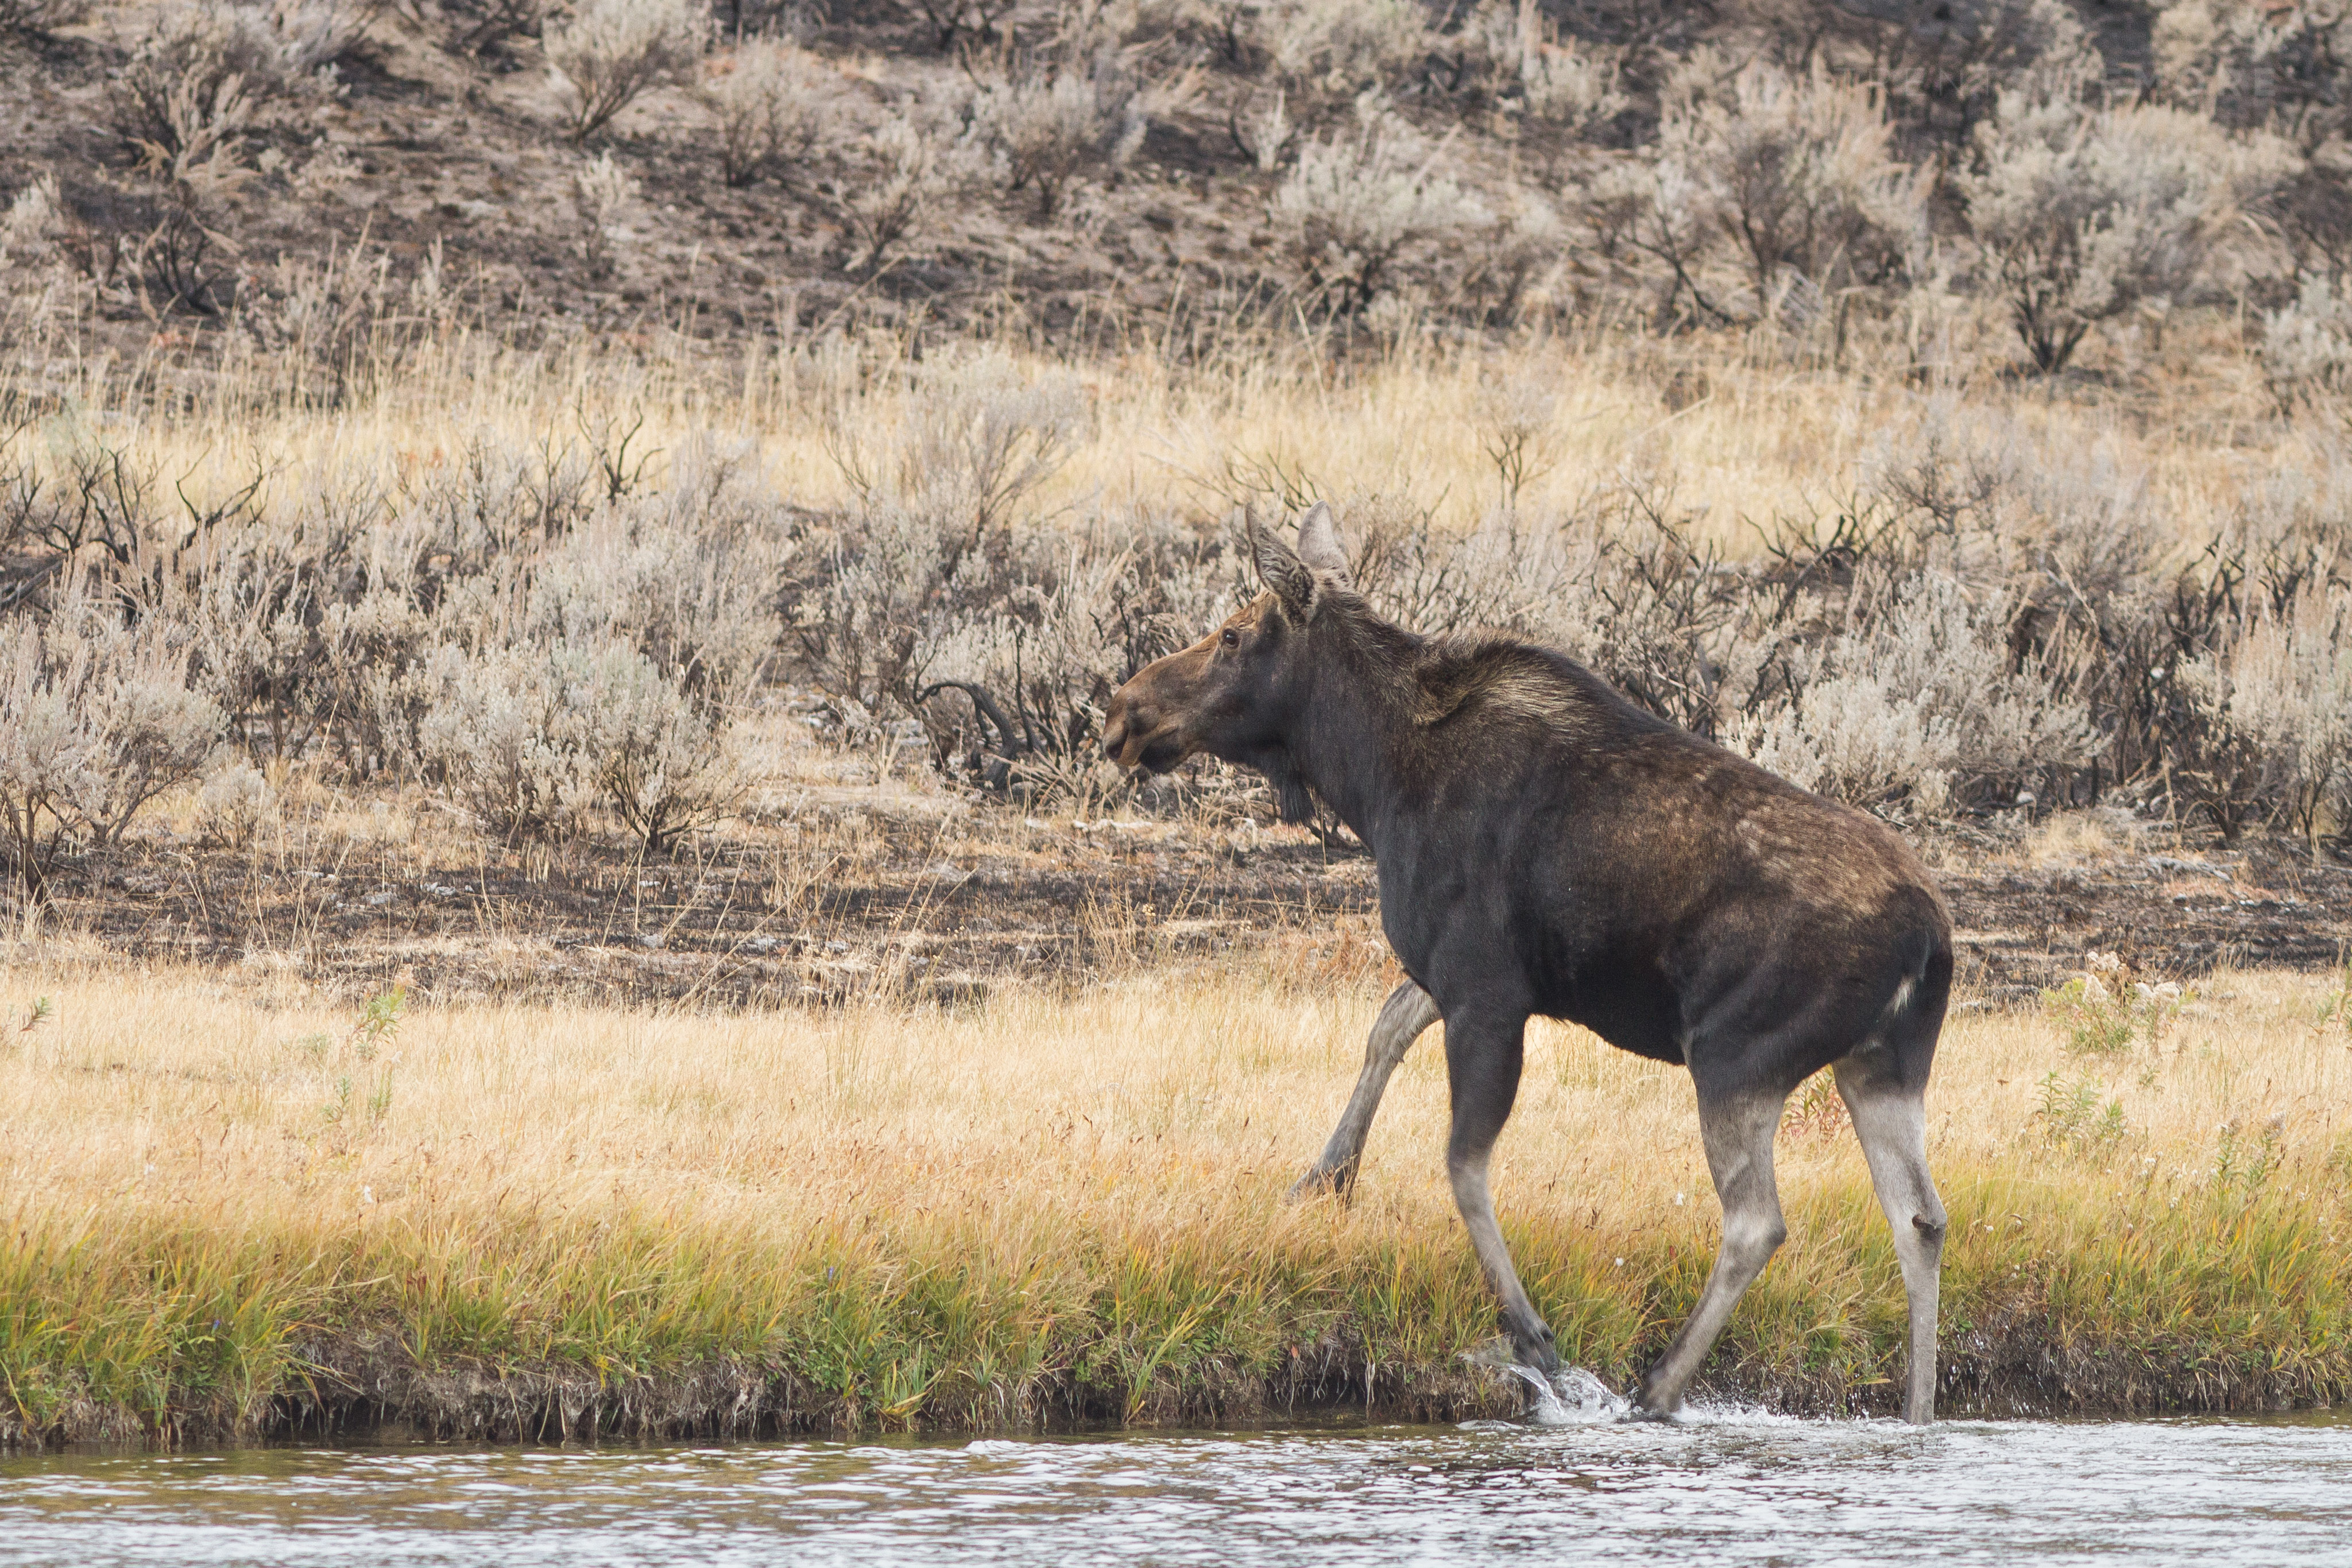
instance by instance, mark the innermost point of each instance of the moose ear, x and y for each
(1290, 578)
(1319, 543)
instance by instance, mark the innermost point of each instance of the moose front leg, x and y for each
(1483, 1052)
(1403, 1016)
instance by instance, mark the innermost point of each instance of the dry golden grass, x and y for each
(1747, 436)
(1086, 1192)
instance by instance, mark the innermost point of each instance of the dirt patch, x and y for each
(925, 896)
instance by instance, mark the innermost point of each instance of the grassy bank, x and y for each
(232, 1209)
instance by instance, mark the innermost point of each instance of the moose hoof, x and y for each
(1647, 1405)
(1536, 1348)
(1320, 1183)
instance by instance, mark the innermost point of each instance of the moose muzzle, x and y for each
(1135, 735)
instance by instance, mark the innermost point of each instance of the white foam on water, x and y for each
(1571, 1397)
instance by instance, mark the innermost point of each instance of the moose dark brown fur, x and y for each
(1545, 847)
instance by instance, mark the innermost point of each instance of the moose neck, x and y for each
(1354, 722)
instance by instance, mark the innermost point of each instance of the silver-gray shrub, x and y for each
(2084, 212)
(1343, 47)
(509, 737)
(205, 74)
(1359, 203)
(1575, 87)
(608, 664)
(98, 717)
(1791, 179)
(548, 633)
(2306, 345)
(1615, 581)
(2282, 694)
(1525, 249)
(35, 249)
(894, 177)
(685, 576)
(2281, 70)
(1054, 123)
(975, 437)
(773, 102)
(1010, 683)
(601, 191)
(1528, 67)
(1916, 697)
(667, 763)
(234, 803)
(945, 596)
(933, 527)
(528, 735)
(609, 53)
(195, 84)
(531, 629)
(2250, 67)
(317, 35)
(1980, 617)
(40, 15)
(1963, 57)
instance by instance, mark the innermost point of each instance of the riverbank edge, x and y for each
(357, 1388)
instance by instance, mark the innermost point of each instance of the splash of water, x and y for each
(1569, 1397)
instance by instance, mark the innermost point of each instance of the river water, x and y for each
(1714, 1487)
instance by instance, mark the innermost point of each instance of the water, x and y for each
(1728, 1488)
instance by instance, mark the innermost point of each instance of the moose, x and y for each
(1544, 846)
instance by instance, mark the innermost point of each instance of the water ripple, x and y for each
(1734, 1487)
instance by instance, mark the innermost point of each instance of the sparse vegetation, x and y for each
(319, 34)
(2073, 1120)
(892, 187)
(1344, 47)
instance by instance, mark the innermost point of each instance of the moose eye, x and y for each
(1232, 639)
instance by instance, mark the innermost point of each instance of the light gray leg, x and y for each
(1483, 1054)
(1403, 1016)
(1738, 1136)
(1531, 1337)
(1892, 1122)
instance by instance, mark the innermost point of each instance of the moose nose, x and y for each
(1115, 726)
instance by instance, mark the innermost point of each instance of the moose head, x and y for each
(1239, 693)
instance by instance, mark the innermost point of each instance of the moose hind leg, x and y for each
(1482, 1061)
(1891, 1119)
(1739, 1136)
(1403, 1017)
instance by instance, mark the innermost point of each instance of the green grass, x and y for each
(2084, 1295)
